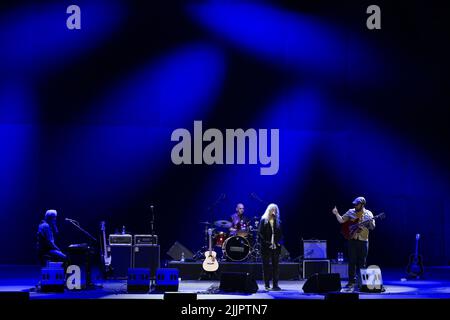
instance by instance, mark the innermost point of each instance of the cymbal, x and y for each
(222, 223)
(205, 222)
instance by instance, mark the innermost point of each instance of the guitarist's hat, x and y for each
(359, 200)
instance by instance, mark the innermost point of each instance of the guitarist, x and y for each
(358, 245)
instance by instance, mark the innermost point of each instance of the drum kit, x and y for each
(236, 245)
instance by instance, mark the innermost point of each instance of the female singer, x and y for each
(269, 235)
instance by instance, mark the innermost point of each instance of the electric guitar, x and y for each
(415, 265)
(106, 259)
(349, 228)
(210, 264)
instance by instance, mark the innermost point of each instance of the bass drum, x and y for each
(236, 248)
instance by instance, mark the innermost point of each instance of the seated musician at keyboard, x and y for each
(46, 247)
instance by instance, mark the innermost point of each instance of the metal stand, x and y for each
(152, 223)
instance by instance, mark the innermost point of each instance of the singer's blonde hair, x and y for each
(266, 215)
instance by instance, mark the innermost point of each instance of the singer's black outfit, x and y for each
(46, 247)
(270, 253)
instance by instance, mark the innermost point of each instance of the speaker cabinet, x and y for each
(311, 267)
(238, 282)
(53, 280)
(167, 279)
(147, 256)
(176, 251)
(322, 283)
(138, 280)
(371, 279)
(121, 255)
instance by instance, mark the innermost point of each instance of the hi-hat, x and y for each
(222, 224)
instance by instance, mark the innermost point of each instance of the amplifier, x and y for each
(121, 255)
(119, 239)
(146, 256)
(315, 266)
(145, 239)
(314, 249)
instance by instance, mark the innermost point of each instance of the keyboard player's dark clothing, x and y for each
(46, 247)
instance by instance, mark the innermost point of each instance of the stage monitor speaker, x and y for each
(138, 280)
(322, 283)
(146, 256)
(176, 251)
(121, 255)
(53, 280)
(238, 282)
(371, 280)
(311, 267)
(167, 279)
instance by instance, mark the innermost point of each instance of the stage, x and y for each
(435, 285)
(193, 270)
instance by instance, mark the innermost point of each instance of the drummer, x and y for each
(239, 223)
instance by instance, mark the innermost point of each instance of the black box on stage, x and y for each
(238, 282)
(147, 256)
(311, 267)
(322, 283)
(121, 260)
(180, 296)
(342, 297)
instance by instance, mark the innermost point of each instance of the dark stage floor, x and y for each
(434, 285)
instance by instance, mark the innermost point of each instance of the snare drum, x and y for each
(236, 248)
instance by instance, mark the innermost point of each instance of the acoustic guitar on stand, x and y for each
(210, 264)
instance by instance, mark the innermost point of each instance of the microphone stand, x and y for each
(77, 225)
(152, 224)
